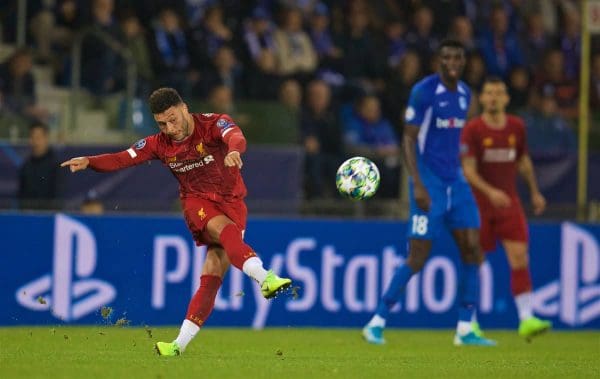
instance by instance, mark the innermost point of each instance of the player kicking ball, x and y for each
(203, 151)
(494, 149)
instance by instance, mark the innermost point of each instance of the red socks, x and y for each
(237, 250)
(203, 301)
(520, 281)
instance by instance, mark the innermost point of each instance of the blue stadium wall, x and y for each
(62, 269)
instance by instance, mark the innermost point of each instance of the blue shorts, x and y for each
(452, 206)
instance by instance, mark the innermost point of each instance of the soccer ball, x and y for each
(357, 178)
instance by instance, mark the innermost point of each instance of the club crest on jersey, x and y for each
(200, 149)
(171, 159)
(140, 144)
(512, 140)
(409, 114)
(224, 124)
(462, 102)
(487, 142)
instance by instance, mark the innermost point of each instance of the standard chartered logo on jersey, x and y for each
(69, 292)
(575, 296)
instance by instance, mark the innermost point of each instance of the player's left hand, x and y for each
(539, 203)
(233, 158)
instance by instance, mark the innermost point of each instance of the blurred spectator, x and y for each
(294, 53)
(262, 81)
(171, 54)
(17, 86)
(420, 36)
(92, 205)
(290, 95)
(363, 58)
(547, 131)
(551, 80)
(462, 31)
(39, 174)
(322, 140)
(570, 41)
(498, 46)
(396, 45)
(368, 134)
(209, 36)
(519, 86)
(136, 41)
(221, 100)
(328, 53)
(225, 71)
(475, 71)
(101, 68)
(536, 40)
(404, 74)
(53, 28)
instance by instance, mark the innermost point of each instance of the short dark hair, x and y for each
(451, 43)
(493, 80)
(163, 99)
(38, 125)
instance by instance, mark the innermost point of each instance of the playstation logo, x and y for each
(69, 291)
(575, 297)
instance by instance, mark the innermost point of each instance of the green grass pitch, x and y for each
(114, 352)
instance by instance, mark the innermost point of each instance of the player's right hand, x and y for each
(422, 197)
(499, 198)
(76, 164)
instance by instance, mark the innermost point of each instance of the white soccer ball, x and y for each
(357, 178)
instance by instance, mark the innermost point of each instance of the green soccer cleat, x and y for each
(274, 285)
(533, 326)
(168, 349)
(471, 339)
(373, 334)
(476, 329)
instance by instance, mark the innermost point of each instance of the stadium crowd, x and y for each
(344, 68)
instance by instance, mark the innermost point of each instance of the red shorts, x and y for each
(502, 224)
(197, 212)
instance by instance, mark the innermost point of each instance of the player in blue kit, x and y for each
(439, 194)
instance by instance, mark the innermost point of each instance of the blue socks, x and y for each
(469, 291)
(392, 295)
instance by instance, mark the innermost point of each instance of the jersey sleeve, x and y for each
(468, 140)
(142, 151)
(227, 130)
(417, 106)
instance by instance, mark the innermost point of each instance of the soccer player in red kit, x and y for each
(203, 151)
(494, 149)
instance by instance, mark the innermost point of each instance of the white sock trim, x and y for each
(377, 320)
(187, 332)
(253, 267)
(523, 303)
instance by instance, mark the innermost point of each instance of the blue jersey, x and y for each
(440, 114)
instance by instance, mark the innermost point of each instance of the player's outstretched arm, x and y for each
(76, 164)
(233, 158)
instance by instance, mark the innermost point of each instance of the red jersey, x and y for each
(197, 162)
(497, 152)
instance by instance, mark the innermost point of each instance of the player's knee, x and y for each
(216, 262)
(472, 254)
(417, 257)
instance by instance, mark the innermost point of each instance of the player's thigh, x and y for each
(197, 213)
(487, 233)
(511, 223)
(229, 213)
(426, 225)
(462, 211)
